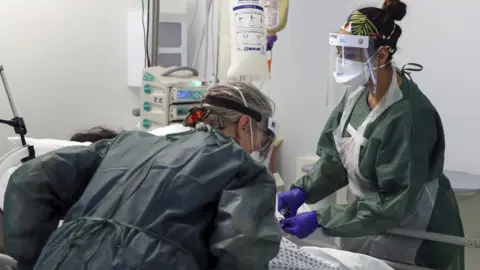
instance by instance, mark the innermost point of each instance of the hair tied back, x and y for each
(395, 9)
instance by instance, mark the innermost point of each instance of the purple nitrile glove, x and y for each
(290, 201)
(302, 225)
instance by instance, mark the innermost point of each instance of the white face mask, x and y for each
(256, 156)
(351, 73)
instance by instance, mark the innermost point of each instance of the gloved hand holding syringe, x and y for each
(301, 225)
(290, 201)
(284, 211)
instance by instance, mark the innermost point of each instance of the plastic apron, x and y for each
(388, 247)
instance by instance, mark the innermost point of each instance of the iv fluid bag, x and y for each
(271, 13)
(248, 61)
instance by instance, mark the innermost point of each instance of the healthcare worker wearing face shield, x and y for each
(193, 200)
(385, 142)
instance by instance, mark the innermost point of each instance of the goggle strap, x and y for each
(233, 105)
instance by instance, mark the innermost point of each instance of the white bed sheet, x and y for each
(291, 256)
(347, 260)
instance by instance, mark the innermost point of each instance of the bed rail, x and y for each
(437, 237)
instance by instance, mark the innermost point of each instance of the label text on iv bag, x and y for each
(245, 49)
(249, 24)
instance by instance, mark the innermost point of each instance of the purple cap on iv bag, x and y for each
(270, 41)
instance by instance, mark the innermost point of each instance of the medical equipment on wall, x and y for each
(276, 16)
(16, 122)
(248, 58)
(167, 95)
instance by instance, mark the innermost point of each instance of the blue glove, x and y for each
(290, 201)
(301, 225)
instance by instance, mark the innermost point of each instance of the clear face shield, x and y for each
(352, 60)
(269, 130)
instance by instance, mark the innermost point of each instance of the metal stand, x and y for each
(155, 21)
(16, 122)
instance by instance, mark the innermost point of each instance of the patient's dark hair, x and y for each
(94, 134)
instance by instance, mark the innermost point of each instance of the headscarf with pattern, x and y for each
(378, 24)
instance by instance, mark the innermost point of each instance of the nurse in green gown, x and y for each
(386, 143)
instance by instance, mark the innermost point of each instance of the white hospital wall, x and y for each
(448, 50)
(66, 63)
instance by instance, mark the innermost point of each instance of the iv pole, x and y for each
(17, 122)
(155, 21)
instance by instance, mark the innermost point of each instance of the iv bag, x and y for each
(248, 61)
(271, 11)
(276, 15)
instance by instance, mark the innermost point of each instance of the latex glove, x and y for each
(301, 225)
(290, 201)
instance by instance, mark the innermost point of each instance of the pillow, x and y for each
(53, 143)
(170, 129)
(4, 182)
(8, 164)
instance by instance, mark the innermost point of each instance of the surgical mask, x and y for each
(353, 73)
(256, 156)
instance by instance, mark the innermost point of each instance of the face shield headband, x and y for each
(266, 124)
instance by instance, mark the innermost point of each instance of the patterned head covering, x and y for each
(378, 24)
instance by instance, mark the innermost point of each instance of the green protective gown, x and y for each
(187, 201)
(404, 152)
